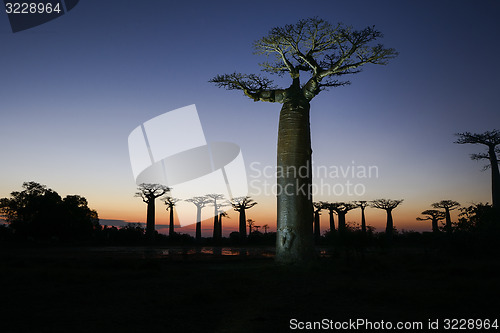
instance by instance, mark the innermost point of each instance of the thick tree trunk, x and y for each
(198, 224)
(342, 225)
(171, 226)
(448, 220)
(495, 179)
(332, 221)
(219, 230)
(389, 229)
(363, 221)
(150, 220)
(294, 241)
(435, 227)
(243, 225)
(317, 232)
(215, 233)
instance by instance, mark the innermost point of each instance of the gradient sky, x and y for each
(74, 88)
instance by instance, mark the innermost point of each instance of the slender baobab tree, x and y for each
(199, 202)
(265, 226)
(362, 204)
(324, 53)
(447, 205)
(170, 202)
(330, 207)
(342, 208)
(318, 206)
(240, 205)
(214, 197)
(149, 193)
(434, 216)
(221, 215)
(491, 139)
(388, 205)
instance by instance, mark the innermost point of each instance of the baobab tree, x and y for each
(240, 205)
(491, 139)
(329, 206)
(250, 223)
(447, 205)
(435, 216)
(214, 197)
(322, 52)
(362, 204)
(149, 193)
(199, 202)
(342, 208)
(318, 206)
(221, 215)
(388, 205)
(265, 226)
(170, 202)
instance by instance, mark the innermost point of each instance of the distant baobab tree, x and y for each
(342, 208)
(240, 205)
(447, 205)
(318, 206)
(149, 193)
(199, 202)
(170, 202)
(329, 206)
(362, 204)
(214, 197)
(491, 139)
(221, 215)
(435, 216)
(323, 52)
(250, 223)
(265, 226)
(388, 205)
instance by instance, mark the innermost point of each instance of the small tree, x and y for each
(388, 205)
(324, 53)
(491, 139)
(435, 216)
(362, 204)
(170, 202)
(199, 202)
(447, 205)
(240, 205)
(149, 193)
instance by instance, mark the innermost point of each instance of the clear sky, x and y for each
(72, 90)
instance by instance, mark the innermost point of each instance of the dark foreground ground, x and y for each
(123, 290)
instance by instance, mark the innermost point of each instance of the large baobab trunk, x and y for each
(495, 179)
(243, 224)
(435, 227)
(332, 221)
(198, 224)
(363, 220)
(171, 226)
(294, 242)
(390, 224)
(150, 220)
(448, 220)
(342, 225)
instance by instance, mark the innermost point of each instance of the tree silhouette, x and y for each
(217, 233)
(388, 205)
(170, 202)
(199, 202)
(447, 205)
(240, 205)
(318, 206)
(433, 215)
(324, 52)
(250, 224)
(342, 208)
(40, 213)
(221, 215)
(265, 226)
(149, 193)
(329, 206)
(491, 139)
(362, 204)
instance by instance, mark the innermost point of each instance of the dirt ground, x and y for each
(153, 290)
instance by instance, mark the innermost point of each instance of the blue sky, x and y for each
(74, 88)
